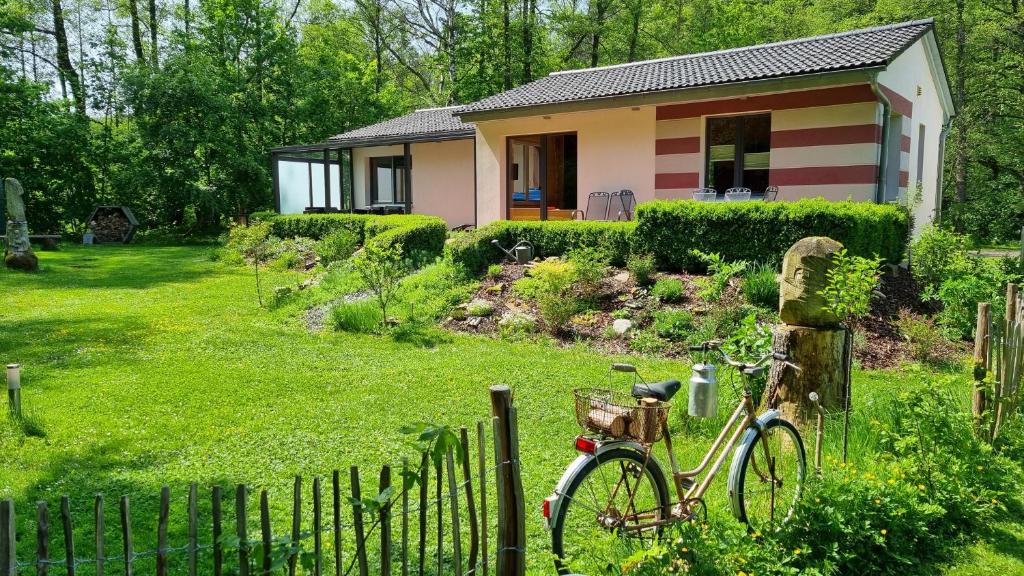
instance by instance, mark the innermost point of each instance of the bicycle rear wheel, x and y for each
(766, 486)
(612, 507)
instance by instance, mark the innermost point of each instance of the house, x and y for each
(859, 115)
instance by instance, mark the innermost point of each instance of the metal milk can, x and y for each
(703, 391)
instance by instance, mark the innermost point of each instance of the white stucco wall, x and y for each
(910, 75)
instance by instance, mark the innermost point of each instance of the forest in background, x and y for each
(171, 106)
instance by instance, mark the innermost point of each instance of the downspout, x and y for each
(940, 183)
(883, 156)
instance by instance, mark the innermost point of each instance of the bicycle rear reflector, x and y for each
(584, 444)
(546, 507)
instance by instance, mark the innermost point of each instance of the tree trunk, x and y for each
(154, 53)
(506, 44)
(529, 8)
(636, 13)
(819, 354)
(962, 157)
(66, 68)
(133, 12)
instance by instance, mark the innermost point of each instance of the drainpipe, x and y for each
(940, 183)
(883, 157)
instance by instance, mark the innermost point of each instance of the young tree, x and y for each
(381, 269)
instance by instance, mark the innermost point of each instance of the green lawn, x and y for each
(148, 366)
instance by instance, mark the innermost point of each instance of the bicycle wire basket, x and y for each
(619, 415)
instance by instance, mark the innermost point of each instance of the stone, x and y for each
(474, 321)
(18, 254)
(804, 271)
(621, 326)
(621, 277)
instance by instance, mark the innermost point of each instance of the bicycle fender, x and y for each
(749, 437)
(557, 497)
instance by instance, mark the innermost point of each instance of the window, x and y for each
(387, 180)
(920, 154)
(738, 152)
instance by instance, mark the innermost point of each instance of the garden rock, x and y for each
(621, 326)
(18, 254)
(804, 273)
(621, 278)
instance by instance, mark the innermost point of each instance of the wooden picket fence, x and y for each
(456, 515)
(998, 363)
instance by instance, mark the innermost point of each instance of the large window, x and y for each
(738, 152)
(387, 180)
(542, 177)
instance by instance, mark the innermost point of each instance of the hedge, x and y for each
(475, 250)
(763, 231)
(417, 233)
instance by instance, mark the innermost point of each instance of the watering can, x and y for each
(521, 253)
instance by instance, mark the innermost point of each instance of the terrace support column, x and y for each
(810, 336)
(407, 149)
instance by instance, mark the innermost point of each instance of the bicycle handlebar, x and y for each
(715, 345)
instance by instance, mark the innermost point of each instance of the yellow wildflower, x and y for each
(797, 551)
(884, 531)
(877, 501)
(920, 486)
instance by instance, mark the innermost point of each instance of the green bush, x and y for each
(494, 270)
(552, 275)
(474, 250)
(647, 342)
(721, 273)
(926, 340)
(938, 255)
(315, 226)
(674, 325)
(761, 286)
(557, 309)
(641, 266)
(337, 245)
(763, 231)
(418, 234)
(361, 316)
(591, 266)
(669, 289)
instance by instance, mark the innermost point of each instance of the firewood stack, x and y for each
(112, 224)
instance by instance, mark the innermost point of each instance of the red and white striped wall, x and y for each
(825, 142)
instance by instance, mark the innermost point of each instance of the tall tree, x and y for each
(64, 64)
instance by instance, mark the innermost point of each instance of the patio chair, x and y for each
(737, 194)
(622, 205)
(705, 194)
(598, 204)
(771, 193)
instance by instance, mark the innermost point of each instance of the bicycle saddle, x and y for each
(663, 391)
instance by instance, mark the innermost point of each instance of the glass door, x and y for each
(525, 179)
(738, 152)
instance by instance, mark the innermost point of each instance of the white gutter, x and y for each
(940, 183)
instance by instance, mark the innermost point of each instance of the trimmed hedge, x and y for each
(474, 250)
(416, 233)
(763, 231)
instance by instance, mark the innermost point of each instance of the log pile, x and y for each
(642, 423)
(110, 226)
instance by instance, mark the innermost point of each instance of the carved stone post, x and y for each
(18, 254)
(810, 335)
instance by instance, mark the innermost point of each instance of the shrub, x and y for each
(674, 325)
(494, 270)
(591, 265)
(337, 245)
(474, 250)
(761, 286)
(937, 255)
(850, 284)
(722, 273)
(927, 341)
(434, 291)
(315, 226)
(415, 232)
(515, 325)
(557, 308)
(669, 289)
(756, 231)
(480, 307)
(381, 268)
(551, 275)
(647, 342)
(360, 316)
(641, 266)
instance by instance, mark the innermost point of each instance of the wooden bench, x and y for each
(47, 241)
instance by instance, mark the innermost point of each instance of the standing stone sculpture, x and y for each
(810, 335)
(18, 253)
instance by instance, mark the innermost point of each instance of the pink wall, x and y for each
(442, 180)
(615, 151)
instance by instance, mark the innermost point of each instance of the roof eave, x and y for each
(694, 93)
(334, 144)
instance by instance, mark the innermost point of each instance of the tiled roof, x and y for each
(427, 124)
(864, 48)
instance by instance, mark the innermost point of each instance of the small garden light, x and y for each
(14, 388)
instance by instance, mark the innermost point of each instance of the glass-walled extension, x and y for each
(312, 180)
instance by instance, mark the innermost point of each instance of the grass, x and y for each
(145, 366)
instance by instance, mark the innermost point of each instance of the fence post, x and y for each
(14, 389)
(981, 349)
(1002, 385)
(8, 544)
(511, 559)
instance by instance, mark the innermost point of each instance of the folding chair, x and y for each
(598, 205)
(737, 194)
(771, 193)
(705, 194)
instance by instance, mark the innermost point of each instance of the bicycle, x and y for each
(616, 491)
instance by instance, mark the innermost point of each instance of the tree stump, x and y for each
(810, 335)
(819, 354)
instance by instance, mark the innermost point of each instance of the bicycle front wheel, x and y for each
(768, 475)
(615, 504)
